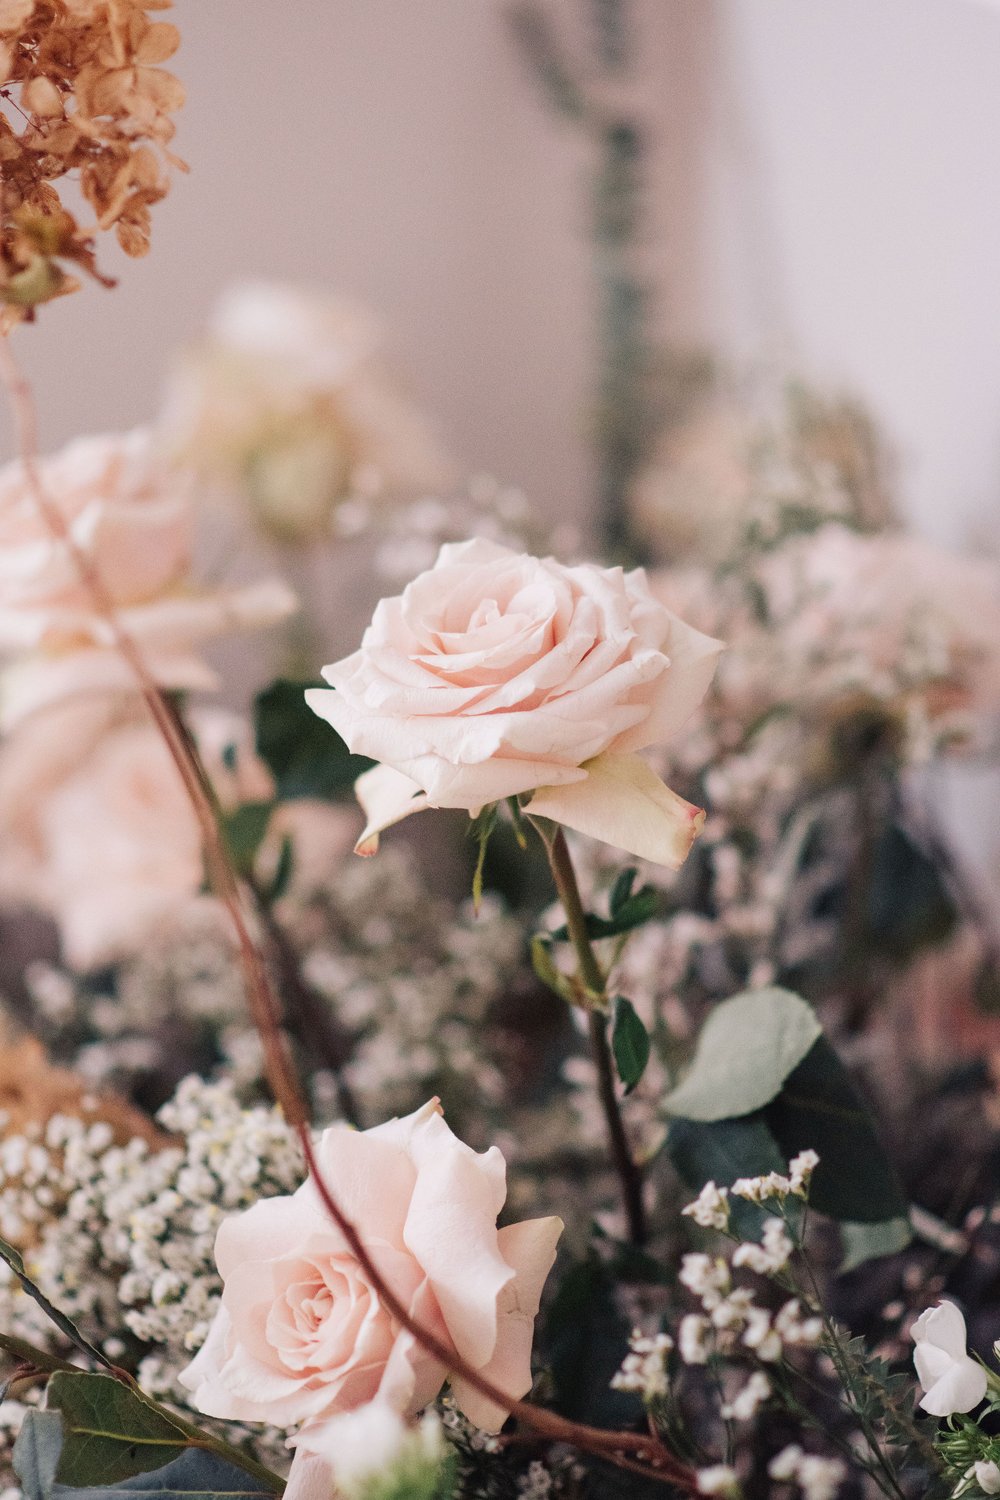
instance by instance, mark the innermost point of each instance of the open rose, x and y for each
(497, 675)
(301, 1334)
(132, 518)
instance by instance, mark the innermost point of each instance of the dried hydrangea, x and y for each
(90, 98)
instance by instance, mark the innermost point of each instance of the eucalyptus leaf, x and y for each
(820, 1109)
(629, 1042)
(110, 1431)
(864, 1242)
(36, 1454)
(747, 1048)
(721, 1151)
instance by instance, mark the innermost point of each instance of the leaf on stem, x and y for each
(629, 1042)
(110, 1431)
(746, 1050)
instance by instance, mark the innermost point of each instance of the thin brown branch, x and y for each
(635, 1452)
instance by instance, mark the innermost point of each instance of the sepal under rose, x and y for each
(497, 675)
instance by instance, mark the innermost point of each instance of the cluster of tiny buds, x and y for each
(710, 1210)
(644, 1368)
(818, 1478)
(730, 1314)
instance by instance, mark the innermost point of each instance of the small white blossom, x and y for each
(951, 1379)
(771, 1255)
(760, 1189)
(705, 1276)
(644, 1368)
(720, 1479)
(743, 1406)
(987, 1476)
(692, 1336)
(818, 1478)
(710, 1209)
(800, 1170)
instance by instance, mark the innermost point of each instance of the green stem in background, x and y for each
(594, 988)
(625, 414)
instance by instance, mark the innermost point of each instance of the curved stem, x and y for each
(595, 988)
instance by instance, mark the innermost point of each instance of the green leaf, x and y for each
(747, 1048)
(630, 912)
(864, 1242)
(282, 871)
(36, 1454)
(110, 1431)
(629, 1042)
(820, 1109)
(480, 829)
(306, 756)
(64, 1324)
(244, 831)
(721, 1151)
(622, 889)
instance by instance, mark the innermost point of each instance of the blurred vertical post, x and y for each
(623, 419)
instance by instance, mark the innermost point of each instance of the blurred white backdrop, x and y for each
(826, 185)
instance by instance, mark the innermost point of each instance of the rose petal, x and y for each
(624, 803)
(531, 1249)
(386, 796)
(451, 1229)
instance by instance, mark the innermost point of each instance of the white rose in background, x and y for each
(301, 1336)
(97, 829)
(951, 1380)
(133, 518)
(497, 675)
(288, 400)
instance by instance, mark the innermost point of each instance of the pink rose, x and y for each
(497, 675)
(134, 519)
(96, 826)
(301, 1335)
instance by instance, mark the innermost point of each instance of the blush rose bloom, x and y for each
(301, 1336)
(133, 518)
(498, 675)
(97, 829)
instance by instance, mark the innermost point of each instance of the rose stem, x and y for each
(629, 1174)
(649, 1456)
(308, 1012)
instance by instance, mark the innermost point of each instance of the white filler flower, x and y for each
(951, 1380)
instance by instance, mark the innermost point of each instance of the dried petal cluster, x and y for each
(83, 93)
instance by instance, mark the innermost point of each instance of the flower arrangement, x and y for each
(542, 1152)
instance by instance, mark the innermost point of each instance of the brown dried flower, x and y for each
(82, 92)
